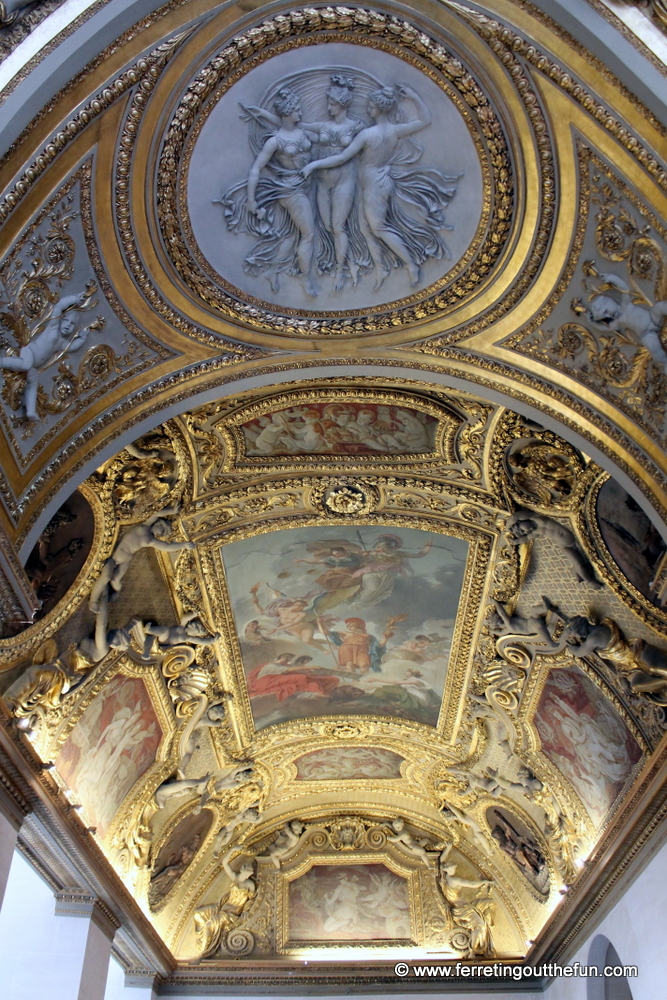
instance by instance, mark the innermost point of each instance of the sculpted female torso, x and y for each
(335, 186)
(378, 148)
(292, 150)
(285, 153)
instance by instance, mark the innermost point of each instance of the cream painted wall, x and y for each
(636, 928)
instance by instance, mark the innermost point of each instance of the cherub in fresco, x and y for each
(337, 419)
(366, 430)
(291, 615)
(415, 650)
(275, 434)
(386, 899)
(308, 432)
(411, 434)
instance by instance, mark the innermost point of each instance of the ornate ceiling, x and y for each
(332, 433)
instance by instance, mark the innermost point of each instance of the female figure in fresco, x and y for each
(394, 238)
(336, 186)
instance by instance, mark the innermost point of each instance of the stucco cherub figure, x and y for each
(629, 314)
(191, 631)
(173, 789)
(407, 841)
(50, 342)
(224, 836)
(150, 534)
(205, 716)
(205, 787)
(457, 816)
(526, 783)
(643, 666)
(286, 841)
(527, 526)
(532, 630)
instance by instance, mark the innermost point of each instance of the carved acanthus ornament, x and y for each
(615, 340)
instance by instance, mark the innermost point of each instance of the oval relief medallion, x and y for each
(335, 185)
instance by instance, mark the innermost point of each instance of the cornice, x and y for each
(33, 788)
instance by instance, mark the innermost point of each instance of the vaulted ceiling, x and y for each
(333, 495)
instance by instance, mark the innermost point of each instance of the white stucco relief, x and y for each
(348, 183)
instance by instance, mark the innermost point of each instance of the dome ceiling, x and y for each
(332, 425)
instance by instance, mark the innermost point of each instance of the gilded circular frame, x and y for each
(389, 35)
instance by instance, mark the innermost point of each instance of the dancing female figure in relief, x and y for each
(395, 238)
(336, 186)
(286, 238)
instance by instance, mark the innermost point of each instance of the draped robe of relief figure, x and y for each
(287, 240)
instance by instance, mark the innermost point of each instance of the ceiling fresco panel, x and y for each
(586, 739)
(329, 620)
(349, 903)
(349, 763)
(109, 749)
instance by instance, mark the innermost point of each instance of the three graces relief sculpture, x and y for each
(342, 186)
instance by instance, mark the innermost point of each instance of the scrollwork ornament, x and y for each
(615, 344)
(238, 943)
